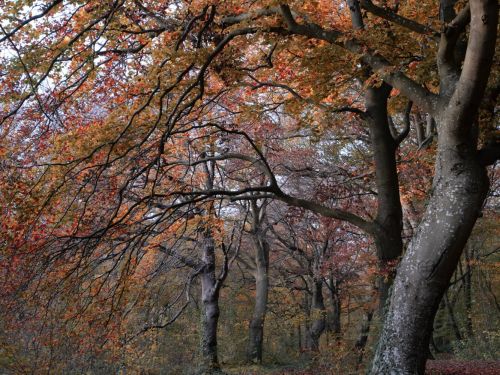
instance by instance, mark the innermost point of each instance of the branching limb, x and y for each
(391, 16)
(411, 89)
(406, 130)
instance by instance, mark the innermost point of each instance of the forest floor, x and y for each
(436, 367)
(453, 367)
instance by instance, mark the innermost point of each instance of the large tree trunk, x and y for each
(459, 189)
(210, 308)
(427, 267)
(256, 329)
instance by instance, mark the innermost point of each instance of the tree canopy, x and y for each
(154, 154)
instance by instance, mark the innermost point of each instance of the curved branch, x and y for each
(406, 130)
(397, 19)
(464, 104)
(307, 100)
(367, 226)
(380, 65)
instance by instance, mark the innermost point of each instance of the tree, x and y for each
(459, 189)
(161, 71)
(261, 272)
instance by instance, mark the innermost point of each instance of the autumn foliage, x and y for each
(171, 171)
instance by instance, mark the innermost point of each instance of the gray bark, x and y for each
(426, 269)
(459, 189)
(256, 328)
(210, 290)
(420, 130)
(210, 308)
(389, 219)
(356, 17)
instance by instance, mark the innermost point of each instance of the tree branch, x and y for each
(411, 89)
(463, 106)
(399, 20)
(406, 130)
(334, 213)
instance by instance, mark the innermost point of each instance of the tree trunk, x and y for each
(440, 340)
(210, 308)
(256, 329)
(334, 323)
(306, 305)
(389, 220)
(299, 337)
(468, 293)
(427, 268)
(318, 323)
(451, 317)
(459, 189)
(363, 335)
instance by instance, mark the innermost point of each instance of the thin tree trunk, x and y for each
(440, 341)
(468, 294)
(307, 321)
(318, 323)
(363, 335)
(334, 323)
(299, 337)
(210, 308)
(256, 329)
(451, 317)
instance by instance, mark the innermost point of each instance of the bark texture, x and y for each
(210, 309)
(256, 328)
(459, 189)
(426, 270)
(389, 219)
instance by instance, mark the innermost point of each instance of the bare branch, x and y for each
(334, 213)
